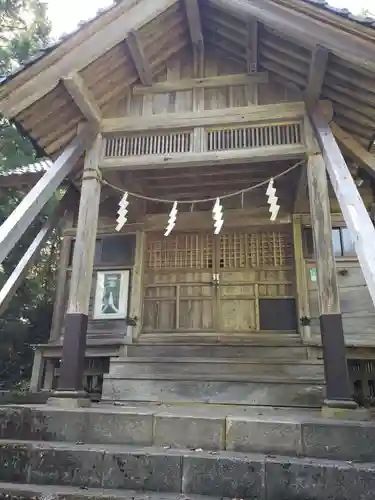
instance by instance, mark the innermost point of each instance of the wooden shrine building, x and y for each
(198, 102)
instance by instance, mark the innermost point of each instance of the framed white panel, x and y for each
(111, 295)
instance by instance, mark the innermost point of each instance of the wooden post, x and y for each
(301, 284)
(74, 345)
(37, 372)
(137, 292)
(338, 391)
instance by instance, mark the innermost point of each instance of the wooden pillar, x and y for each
(74, 346)
(338, 390)
(137, 291)
(303, 310)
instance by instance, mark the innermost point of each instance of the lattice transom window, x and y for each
(148, 144)
(181, 251)
(247, 137)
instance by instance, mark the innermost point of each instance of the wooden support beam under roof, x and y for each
(312, 32)
(13, 282)
(358, 221)
(201, 83)
(354, 149)
(83, 98)
(317, 71)
(139, 58)
(77, 52)
(23, 215)
(194, 21)
(184, 160)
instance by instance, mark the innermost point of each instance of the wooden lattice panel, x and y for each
(255, 250)
(254, 136)
(148, 144)
(180, 251)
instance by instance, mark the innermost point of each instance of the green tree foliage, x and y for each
(24, 31)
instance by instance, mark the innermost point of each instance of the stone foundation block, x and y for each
(311, 479)
(189, 431)
(265, 435)
(70, 466)
(14, 462)
(113, 427)
(224, 475)
(143, 470)
(339, 440)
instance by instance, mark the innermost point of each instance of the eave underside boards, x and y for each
(53, 119)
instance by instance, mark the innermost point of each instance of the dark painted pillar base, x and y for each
(338, 390)
(73, 357)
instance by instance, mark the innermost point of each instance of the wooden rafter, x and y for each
(354, 149)
(87, 46)
(83, 98)
(304, 27)
(317, 70)
(358, 221)
(141, 63)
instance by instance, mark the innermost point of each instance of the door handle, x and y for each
(215, 279)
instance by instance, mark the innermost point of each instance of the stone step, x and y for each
(260, 391)
(250, 430)
(131, 367)
(255, 351)
(11, 491)
(219, 474)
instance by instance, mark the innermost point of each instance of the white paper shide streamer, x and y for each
(172, 219)
(217, 215)
(272, 200)
(122, 212)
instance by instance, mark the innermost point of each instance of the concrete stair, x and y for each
(274, 372)
(166, 453)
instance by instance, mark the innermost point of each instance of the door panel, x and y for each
(202, 282)
(252, 265)
(178, 283)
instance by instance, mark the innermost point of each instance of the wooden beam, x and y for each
(304, 27)
(46, 74)
(184, 160)
(338, 390)
(252, 46)
(194, 21)
(19, 273)
(354, 149)
(75, 331)
(83, 98)
(247, 114)
(207, 83)
(139, 58)
(24, 214)
(361, 229)
(317, 71)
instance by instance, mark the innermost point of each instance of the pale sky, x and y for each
(66, 14)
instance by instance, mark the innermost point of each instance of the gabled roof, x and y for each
(99, 52)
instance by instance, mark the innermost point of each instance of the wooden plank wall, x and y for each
(181, 67)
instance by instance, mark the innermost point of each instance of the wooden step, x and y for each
(255, 351)
(224, 390)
